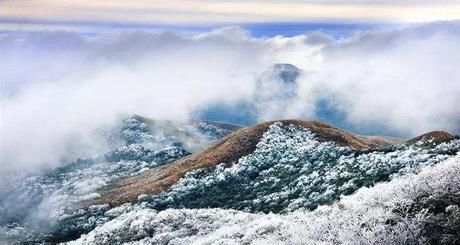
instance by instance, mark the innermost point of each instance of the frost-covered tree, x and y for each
(291, 169)
(42, 207)
(394, 212)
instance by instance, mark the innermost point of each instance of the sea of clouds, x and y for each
(59, 90)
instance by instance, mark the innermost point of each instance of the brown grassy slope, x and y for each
(382, 140)
(228, 150)
(435, 137)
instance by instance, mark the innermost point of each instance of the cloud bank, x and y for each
(60, 90)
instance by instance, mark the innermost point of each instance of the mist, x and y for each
(61, 90)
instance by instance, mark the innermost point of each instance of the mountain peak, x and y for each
(287, 72)
(433, 137)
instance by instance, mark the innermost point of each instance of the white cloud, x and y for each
(58, 87)
(55, 93)
(229, 11)
(406, 79)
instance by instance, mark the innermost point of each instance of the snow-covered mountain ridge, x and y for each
(239, 144)
(33, 207)
(383, 214)
(312, 192)
(275, 177)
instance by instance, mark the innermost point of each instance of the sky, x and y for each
(70, 69)
(194, 15)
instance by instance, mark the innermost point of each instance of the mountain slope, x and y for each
(228, 150)
(275, 167)
(378, 215)
(32, 206)
(289, 173)
(433, 138)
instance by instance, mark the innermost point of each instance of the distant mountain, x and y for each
(195, 135)
(276, 95)
(432, 138)
(274, 90)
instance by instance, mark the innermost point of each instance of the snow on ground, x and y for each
(266, 197)
(31, 207)
(368, 216)
(291, 169)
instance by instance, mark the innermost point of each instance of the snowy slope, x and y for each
(289, 172)
(33, 206)
(292, 189)
(376, 215)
